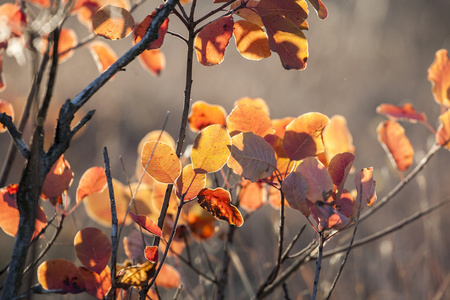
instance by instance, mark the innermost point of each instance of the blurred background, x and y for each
(366, 52)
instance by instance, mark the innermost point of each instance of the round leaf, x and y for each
(93, 248)
(112, 22)
(163, 164)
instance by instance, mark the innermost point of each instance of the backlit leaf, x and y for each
(156, 135)
(92, 181)
(248, 12)
(212, 40)
(346, 205)
(337, 138)
(141, 29)
(58, 179)
(404, 112)
(93, 248)
(67, 41)
(85, 9)
(147, 224)
(288, 41)
(2, 81)
(280, 125)
(392, 137)
(163, 164)
(339, 167)
(168, 277)
(112, 22)
(201, 223)
(439, 75)
(133, 245)
(211, 149)
(158, 193)
(252, 195)
(151, 253)
(96, 285)
(7, 108)
(190, 183)
(60, 274)
(251, 156)
(320, 184)
(328, 217)
(365, 186)
(257, 102)
(303, 136)
(9, 214)
(104, 56)
(284, 164)
(204, 114)
(443, 131)
(135, 275)
(15, 20)
(218, 203)
(320, 8)
(295, 187)
(249, 118)
(251, 40)
(154, 61)
(295, 11)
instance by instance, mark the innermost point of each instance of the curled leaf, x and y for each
(404, 112)
(147, 224)
(439, 75)
(365, 186)
(443, 131)
(151, 253)
(218, 203)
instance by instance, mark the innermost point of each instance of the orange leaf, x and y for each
(443, 131)
(96, 285)
(147, 224)
(204, 114)
(280, 125)
(211, 149)
(7, 108)
(339, 167)
(141, 29)
(295, 187)
(159, 191)
(15, 20)
(294, 11)
(404, 112)
(303, 136)
(133, 245)
(251, 156)
(156, 135)
(168, 277)
(288, 41)
(60, 274)
(151, 253)
(252, 195)
(201, 223)
(284, 164)
(153, 61)
(391, 136)
(365, 186)
(251, 40)
(93, 248)
(212, 40)
(2, 81)
(9, 214)
(247, 12)
(320, 185)
(246, 117)
(439, 75)
(257, 102)
(92, 181)
(346, 205)
(104, 56)
(218, 203)
(337, 138)
(112, 22)
(163, 164)
(58, 179)
(190, 183)
(320, 8)
(67, 40)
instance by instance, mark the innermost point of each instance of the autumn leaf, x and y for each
(443, 131)
(365, 186)
(9, 214)
(392, 137)
(252, 195)
(133, 246)
(141, 29)
(212, 40)
(204, 114)
(404, 112)
(92, 181)
(319, 181)
(248, 12)
(251, 40)
(168, 277)
(67, 41)
(60, 274)
(295, 187)
(58, 180)
(154, 61)
(294, 11)
(328, 217)
(249, 118)
(251, 156)
(337, 137)
(257, 102)
(112, 22)
(104, 56)
(93, 248)
(339, 167)
(7, 108)
(288, 41)
(320, 8)
(190, 183)
(156, 135)
(2, 84)
(151, 253)
(280, 125)
(147, 224)
(439, 75)
(284, 164)
(96, 285)
(218, 203)
(303, 136)
(201, 223)
(211, 149)
(161, 162)
(136, 276)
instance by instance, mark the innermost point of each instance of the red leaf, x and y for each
(320, 8)
(151, 253)
(93, 248)
(443, 131)
(404, 112)
(92, 181)
(147, 224)
(133, 246)
(218, 203)
(60, 274)
(141, 29)
(96, 285)
(320, 185)
(212, 41)
(295, 187)
(339, 167)
(58, 180)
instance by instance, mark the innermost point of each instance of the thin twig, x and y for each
(213, 12)
(114, 221)
(292, 243)
(318, 266)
